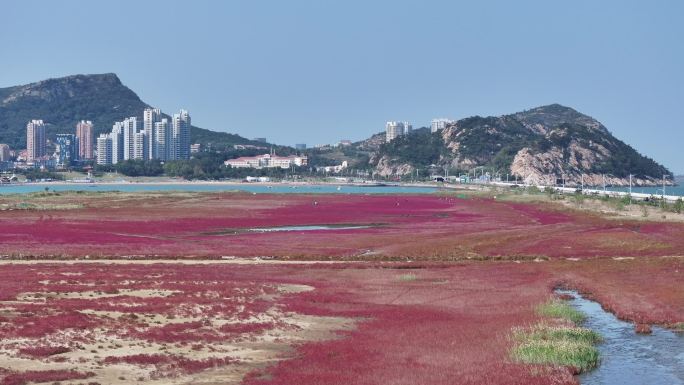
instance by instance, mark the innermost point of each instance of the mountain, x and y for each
(62, 102)
(540, 145)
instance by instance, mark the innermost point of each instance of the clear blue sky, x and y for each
(320, 71)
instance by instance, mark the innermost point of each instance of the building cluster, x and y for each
(267, 161)
(158, 138)
(440, 124)
(69, 147)
(396, 129)
(333, 169)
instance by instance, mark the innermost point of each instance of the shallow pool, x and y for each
(628, 358)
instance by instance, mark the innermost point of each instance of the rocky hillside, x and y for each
(62, 102)
(540, 145)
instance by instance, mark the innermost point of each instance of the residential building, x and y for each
(129, 127)
(140, 145)
(104, 149)
(162, 136)
(195, 148)
(180, 137)
(396, 129)
(35, 140)
(84, 139)
(263, 140)
(66, 150)
(159, 138)
(440, 124)
(344, 143)
(117, 138)
(333, 169)
(300, 146)
(4, 152)
(151, 116)
(407, 128)
(267, 161)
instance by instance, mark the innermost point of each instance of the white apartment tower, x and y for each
(129, 127)
(440, 124)
(4, 152)
(35, 140)
(159, 138)
(407, 128)
(395, 129)
(151, 116)
(162, 134)
(180, 136)
(117, 138)
(104, 149)
(140, 146)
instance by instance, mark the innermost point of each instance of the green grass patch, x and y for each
(560, 309)
(557, 345)
(407, 277)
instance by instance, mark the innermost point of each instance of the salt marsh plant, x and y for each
(563, 343)
(557, 345)
(560, 309)
(407, 277)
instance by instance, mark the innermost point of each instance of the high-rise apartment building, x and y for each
(117, 139)
(180, 141)
(4, 152)
(151, 116)
(66, 149)
(440, 124)
(84, 139)
(104, 149)
(140, 145)
(129, 127)
(35, 140)
(159, 139)
(407, 128)
(162, 134)
(395, 129)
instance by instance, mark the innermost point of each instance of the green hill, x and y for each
(62, 102)
(540, 145)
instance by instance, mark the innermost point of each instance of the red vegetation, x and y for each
(41, 376)
(415, 227)
(167, 365)
(448, 323)
(643, 290)
(43, 351)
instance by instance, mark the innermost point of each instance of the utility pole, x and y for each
(630, 189)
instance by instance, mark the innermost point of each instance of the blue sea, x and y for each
(198, 187)
(669, 190)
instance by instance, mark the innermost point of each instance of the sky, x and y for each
(320, 71)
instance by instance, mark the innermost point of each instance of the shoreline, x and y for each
(589, 190)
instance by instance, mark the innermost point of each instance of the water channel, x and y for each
(628, 358)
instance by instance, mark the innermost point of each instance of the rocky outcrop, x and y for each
(74, 86)
(387, 167)
(550, 168)
(542, 145)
